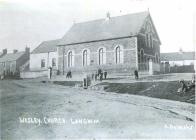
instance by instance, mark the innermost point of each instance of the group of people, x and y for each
(99, 75)
(186, 87)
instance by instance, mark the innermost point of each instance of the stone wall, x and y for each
(129, 46)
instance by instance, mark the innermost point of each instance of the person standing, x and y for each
(101, 76)
(136, 74)
(92, 76)
(99, 72)
(49, 72)
(96, 75)
(105, 74)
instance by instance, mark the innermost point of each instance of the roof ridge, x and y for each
(94, 20)
(15, 53)
(51, 40)
(179, 52)
(94, 30)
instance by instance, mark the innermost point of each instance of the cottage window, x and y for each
(43, 63)
(53, 62)
(70, 59)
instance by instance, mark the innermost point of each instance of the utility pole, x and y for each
(63, 61)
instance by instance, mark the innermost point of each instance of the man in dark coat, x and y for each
(136, 74)
(105, 74)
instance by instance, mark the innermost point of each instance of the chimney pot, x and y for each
(15, 51)
(108, 16)
(4, 51)
(27, 49)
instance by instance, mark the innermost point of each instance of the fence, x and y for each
(166, 68)
(143, 66)
(149, 67)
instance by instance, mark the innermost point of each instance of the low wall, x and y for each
(120, 68)
(36, 74)
(156, 67)
(33, 74)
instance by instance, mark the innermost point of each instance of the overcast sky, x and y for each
(29, 22)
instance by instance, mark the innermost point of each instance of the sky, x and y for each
(29, 22)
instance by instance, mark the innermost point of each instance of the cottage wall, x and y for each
(35, 60)
(129, 63)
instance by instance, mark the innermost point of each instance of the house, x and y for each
(44, 56)
(117, 44)
(178, 62)
(10, 63)
(4, 52)
(178, 58)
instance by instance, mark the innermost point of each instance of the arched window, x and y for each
(149, 37)
(117, 54)
(142, 55)
(70, 59)
(85, 58)
(101, 56)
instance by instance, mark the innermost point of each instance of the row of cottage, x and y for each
(116, 44)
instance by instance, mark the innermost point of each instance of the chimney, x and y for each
(15, 51)
(180, 51)
(27, 50)
(4, 51)
(108, 16)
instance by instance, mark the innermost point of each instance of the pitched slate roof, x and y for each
(176, 56)
(46, 46)
(101, 29)
(11, 56)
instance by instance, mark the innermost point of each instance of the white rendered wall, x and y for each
(35, 60)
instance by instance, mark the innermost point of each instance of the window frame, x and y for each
(85, 57)
(142, 55)
(117, 54)
(53, 62)
(70, 59)
(101, 56)
(43, 63)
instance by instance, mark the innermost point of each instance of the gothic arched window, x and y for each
(118, 54)
(70, 59)
(85, 57)
(101, 56)
(141, 55)
(149, 36)
(156, 58)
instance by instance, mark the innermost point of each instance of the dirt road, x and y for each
(32, 110)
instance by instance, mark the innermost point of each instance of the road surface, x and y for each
(32, 110)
